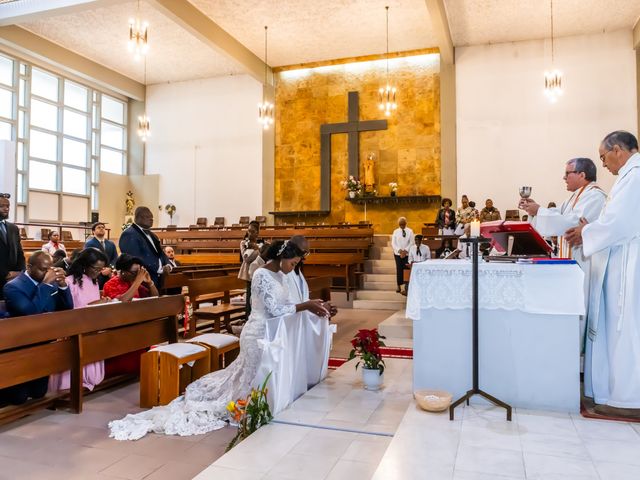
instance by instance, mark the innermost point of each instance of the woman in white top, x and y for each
(203, 406)
(401, 240)
(419, 252)
(54, 243)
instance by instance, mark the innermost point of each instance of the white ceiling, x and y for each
(302, 31)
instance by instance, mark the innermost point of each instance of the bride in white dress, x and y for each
(203, 406)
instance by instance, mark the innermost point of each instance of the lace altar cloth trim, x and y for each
(446, 284)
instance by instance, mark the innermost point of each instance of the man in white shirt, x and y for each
(586, 201)
(418, 252)
(612, 353)
(401, 241)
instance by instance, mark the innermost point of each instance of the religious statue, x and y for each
(130, 203)
(368, 175)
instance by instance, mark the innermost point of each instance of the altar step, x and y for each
(380, 266)
(396, 326)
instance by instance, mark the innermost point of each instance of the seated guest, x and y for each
(54, 243)
(489, 213)
(98, 240)
(260, 259)
(418, 252)
(464, 248)
(11, 254)
(41, 289)
(249, 251)
(445, 249)
(131, 281)
(83, 285)
(446, 218)
(59, 259)
(171, 256)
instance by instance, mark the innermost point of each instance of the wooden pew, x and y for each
(319, 287)
(40, 345)
(179, 277)
(221, 289)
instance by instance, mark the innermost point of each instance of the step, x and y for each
(388, 286)
(379, 295)
(381, 253)
(379, 277)
(378, 305)
(381, 240)
(370, 268)
(397, 326)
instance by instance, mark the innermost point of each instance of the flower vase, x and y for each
(372, 379)
(352, 194)
(393, 193)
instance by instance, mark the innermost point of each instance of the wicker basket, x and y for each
(433, 400)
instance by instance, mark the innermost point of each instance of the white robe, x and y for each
(612, 355)
(551, 222)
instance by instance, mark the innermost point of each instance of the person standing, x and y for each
(612, 352)
(249, 251)
(139, 241)
(489, 213)
(40, 289)
(106, 246)
(446, 218)
(53, 245)
(12, 261)
(465, 214)
(401, 241)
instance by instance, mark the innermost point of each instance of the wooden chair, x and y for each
(218, 222)
(66, 236)
(165, 373)
(244, 220)
(44, 234)
(23, 233)
(262, 220)
(512, 215)
(223, 349)
(172, 227)
(201, 221)
(219, 289)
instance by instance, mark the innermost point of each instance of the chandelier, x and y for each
(553, 78)
(265, 108)
(144, 126)
(138, 34)
(387, 95)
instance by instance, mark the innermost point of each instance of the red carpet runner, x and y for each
(387, 352)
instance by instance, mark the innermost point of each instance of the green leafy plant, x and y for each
(251, 413)
(366, 345)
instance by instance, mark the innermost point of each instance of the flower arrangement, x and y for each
(352, 184)
(393, 186)
(250, 413)
(170, 208)
(366, 345)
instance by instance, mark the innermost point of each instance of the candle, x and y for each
(475, 229)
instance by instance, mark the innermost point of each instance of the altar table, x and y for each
(529, 348)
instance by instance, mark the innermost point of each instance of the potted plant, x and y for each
(170, 209)
(366, 345)
(352, 185)
(250, 413)
(393, 186)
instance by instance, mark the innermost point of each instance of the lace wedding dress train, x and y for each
(203, 406)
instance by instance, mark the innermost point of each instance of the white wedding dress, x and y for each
(203, 406)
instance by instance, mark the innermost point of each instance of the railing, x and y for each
(66, 226)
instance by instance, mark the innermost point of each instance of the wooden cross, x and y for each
(352, 127)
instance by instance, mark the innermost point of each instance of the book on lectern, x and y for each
(515, 239)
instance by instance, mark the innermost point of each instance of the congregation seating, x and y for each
(31, 246)
(56, 342)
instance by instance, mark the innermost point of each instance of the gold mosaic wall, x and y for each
(408, 152)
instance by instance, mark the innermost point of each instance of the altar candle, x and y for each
(475, 229)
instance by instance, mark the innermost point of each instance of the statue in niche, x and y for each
(130, 203)
(368, 175)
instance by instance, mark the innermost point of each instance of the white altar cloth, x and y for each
(529, 349)
(296, 352)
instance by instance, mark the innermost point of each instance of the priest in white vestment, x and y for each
(586, 201)
(612, 354)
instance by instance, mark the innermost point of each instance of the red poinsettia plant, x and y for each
(366, 345)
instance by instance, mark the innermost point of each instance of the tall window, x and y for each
(66, 132)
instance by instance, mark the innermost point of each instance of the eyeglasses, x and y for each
(566, 174)
(5, 195)
(602, 157)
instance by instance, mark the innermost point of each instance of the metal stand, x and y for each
(475, 241)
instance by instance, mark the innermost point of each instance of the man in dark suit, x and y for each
(139, 241)
(107, 247)
(41, 289)
(11, 254)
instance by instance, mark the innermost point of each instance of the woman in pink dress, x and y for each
(83, 284)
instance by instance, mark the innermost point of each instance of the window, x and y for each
(113, 135)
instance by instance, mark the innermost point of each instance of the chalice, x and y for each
(525, 192)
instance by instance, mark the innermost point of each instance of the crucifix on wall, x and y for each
(353, 126)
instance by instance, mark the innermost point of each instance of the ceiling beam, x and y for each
(21, 12)
(183, 13)
(636, 35)
(440, 25)
(46, 52)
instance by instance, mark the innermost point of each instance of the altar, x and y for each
(529, 349)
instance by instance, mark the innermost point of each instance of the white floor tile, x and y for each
(491, 438)
(616, 471)
(605, 430)
(215, 472)
(461, 475)
(561, 426)
(614, 451)
(490, 460)
(553, 445)
(543, 467)
(350, 470)
(366, 451)
(294, 466)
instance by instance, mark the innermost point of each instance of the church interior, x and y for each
(237, 126)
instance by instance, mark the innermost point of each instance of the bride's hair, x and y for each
(283, 249)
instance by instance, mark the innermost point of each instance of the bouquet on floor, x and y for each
(366, 345)
(250, 413)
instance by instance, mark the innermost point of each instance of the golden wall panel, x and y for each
(408, 152)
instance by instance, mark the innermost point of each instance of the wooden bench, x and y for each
(211, 318)
(176, 279)
(319, 287)
(40, 345)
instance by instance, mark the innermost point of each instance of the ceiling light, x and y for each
(387, 95)
(265, 108)
(138, 34)
(553, 78)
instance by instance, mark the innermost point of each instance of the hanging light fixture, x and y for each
(138, 35)
(553, 78)
(265, 108)
(387, 95)
(144, 126)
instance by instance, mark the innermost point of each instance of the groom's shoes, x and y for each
(617, 412)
